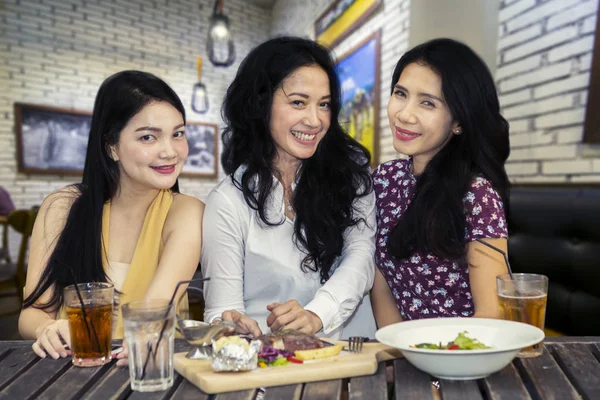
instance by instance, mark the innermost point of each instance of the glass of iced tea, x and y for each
(523, 299)
(89, 310)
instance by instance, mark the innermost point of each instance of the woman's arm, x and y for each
(337, 299)
(182, 236)
(222, 261)
(34, 323)
(485, 265)
(383, 302)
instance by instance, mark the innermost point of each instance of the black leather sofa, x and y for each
(555, 231)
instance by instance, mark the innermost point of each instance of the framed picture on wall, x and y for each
(51, 140)
(358, 71)
(203, 158)
(341, 18)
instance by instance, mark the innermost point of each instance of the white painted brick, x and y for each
(515, 97)
(589, 25)
(579, 46)
(596, 165)
(524, 65)
(519, 126)
(513, 10)
(567, 167)
(538, 13)
(562, 118)
(536, 45)
(569, 135)
(539, 107)
(563, 85)
(548, 73)
(572, 14)
(520, 36)
(551, 152)
(539, 179)
(585, 62)
(522, 168)
(529, 139)
(586, 179)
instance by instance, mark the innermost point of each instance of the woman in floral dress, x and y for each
(451, 190)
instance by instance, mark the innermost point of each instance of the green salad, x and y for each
(462, 342)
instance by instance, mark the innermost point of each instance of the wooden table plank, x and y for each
(325, 390)
(14, 362)
(187, 391)
(580, 366)
(113, 385)
(460, 390)
(546, 377)
(74, 383)
(410, 383)
(240, 395)
(372, 387)
(36, 378)
(506, 385)
(292, 392)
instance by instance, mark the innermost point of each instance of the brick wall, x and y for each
(297, 18)
(544, 57)
(58, 52)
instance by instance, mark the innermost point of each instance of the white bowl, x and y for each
(506, 339)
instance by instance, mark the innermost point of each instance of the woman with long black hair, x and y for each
(451, 190)
(289, 234)
(126, 222)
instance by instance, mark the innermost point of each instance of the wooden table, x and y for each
(569, 369)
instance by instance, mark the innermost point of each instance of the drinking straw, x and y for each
(164, 326)
(503, 255)
(85, 318)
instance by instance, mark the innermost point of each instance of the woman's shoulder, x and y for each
(61, 199)
(185, 204)
(481, 189)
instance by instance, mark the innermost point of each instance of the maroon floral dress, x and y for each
(424, 285)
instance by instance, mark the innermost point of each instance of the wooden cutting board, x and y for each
(345, 365)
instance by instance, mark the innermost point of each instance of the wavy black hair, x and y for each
(329, 181)
(434, 222)
(78, 252)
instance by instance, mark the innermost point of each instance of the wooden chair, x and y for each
(12, 275)
(4, 253)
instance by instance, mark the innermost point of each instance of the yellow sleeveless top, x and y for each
(146, 257)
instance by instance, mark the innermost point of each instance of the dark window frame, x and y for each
(591, 125)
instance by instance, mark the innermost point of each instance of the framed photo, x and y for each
(341, 18)
(203, 141)
(51, 140)
(358, 71)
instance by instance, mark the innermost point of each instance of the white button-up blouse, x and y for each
(251, 265)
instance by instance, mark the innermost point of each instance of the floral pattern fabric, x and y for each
(424, 285)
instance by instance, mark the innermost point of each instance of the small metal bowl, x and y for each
(201, 334)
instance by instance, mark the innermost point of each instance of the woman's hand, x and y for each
(291, 315)
(51, 339)
(243, 323)
(123, 356)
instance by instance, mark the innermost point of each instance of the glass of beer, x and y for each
(523, 299)
(89, 309)
(150, 331)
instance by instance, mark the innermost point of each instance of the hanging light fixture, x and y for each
(199, 95)
(221, 51)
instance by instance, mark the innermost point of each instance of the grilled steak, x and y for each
(291, 340)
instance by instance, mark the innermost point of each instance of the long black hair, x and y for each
(328, 182)
(78, 252)
(435, 220)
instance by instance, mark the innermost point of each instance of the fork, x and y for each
(355, 344)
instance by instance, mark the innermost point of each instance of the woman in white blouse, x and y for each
(289, 235)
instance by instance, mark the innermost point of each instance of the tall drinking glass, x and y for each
(523, 299)
(150, 353)
(89, 310)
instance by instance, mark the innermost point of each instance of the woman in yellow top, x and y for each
(126, 222)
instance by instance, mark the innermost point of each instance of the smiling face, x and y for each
(300, 114)
(152, 148)
(419, 117)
